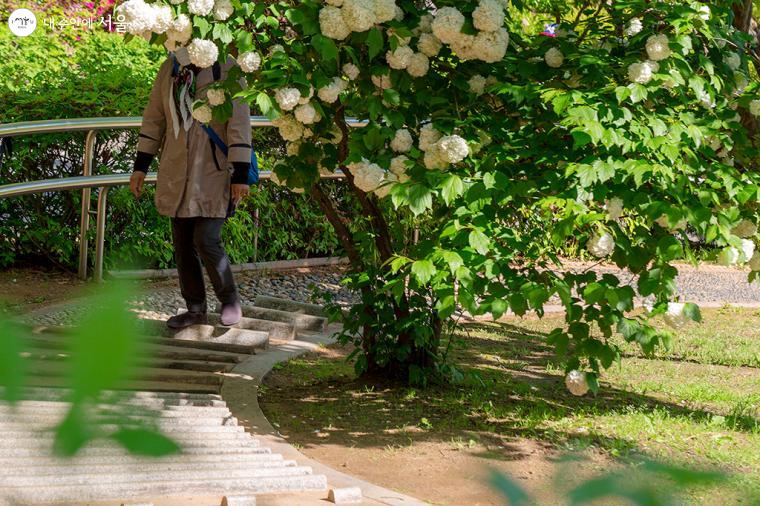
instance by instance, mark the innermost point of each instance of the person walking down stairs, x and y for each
(198, 186)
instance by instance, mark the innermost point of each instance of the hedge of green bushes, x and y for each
(51, 76)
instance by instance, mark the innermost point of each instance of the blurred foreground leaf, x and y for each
(12, 367)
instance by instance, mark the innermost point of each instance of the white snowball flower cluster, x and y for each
(744, 229)
(249, 61)
(200, 7)
(453, 149)
(164, 18)
(429, 45)
(398, 168)
(754, 263)
(386, 185)
(419, 65)
(223, 9)
(704, 12)
(447, 24)
(330, 93)
(307, 114)
(488, 45)
(728, 256)
(554, 57)
(400, 58)
(676, 316)
(385, 10)
(332, 24)
(203, 53)
(733, 60)
(657, 47)
(634, 27)
(577, 383)
(351, 71)
(488, 15)
(747, 250)
(293, 148)
(216, 97)
(139, 17)
(382, 81)
(359, 15)
(642, 72)
(477, 84)
(402, 142)
(429, 136)
(287, 98)
(203, 114)
(754, 108)
(601, 245)
(614, 208)
(181, 30)
(367, 176)
(290, 128)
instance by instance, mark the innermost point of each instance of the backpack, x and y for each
(216, 141)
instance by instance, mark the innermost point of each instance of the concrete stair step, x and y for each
(289, 305)
(115, 451)
(135, 490)
(56, 409)
(275, 329)
(95, 476)
(231, 459)
(75, 468)
(41, 421)
(43, 394)
(252, 338)
(158, 344)
(21, 438)
(301, 321)
(18, 426)
(130, 385)
(44, 442)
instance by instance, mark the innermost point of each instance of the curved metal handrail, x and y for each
(115, 123)
(87, 181)
(103, 181)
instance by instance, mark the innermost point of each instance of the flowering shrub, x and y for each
(625, 128)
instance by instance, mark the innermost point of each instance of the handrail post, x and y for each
(256, 235)
(84, 222)
(100, 234)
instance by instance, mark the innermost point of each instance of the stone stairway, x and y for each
(176, 389)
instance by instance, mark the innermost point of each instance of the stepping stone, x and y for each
(289, 305)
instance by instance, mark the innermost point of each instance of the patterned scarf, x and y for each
(182, 94)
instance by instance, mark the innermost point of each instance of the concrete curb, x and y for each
(258, 266)
(240, 392)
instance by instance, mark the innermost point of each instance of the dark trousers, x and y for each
(196, 240)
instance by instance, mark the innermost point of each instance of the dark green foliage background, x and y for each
(48, 76)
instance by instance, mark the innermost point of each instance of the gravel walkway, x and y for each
(707, 285)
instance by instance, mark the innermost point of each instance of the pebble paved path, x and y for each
(713, 285)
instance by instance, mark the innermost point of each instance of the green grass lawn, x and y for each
(697, 404)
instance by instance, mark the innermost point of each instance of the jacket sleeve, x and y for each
(239, 133)
(154, 120)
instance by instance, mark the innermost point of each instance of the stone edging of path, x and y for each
(240, 392)
(258, 266)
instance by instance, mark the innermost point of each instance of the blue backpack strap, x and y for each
(216, 139)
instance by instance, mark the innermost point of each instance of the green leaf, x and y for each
(594, 292)
(146, 442)
(479, 241)
(222, 32)
(375, 42)
(325, 47)
(692, 311)
(453, 259)
(105, 344)
(420, 199)
(451, 188)
(423, 270)
(12, 365)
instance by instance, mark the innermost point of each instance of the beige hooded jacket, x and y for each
(189, 182)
